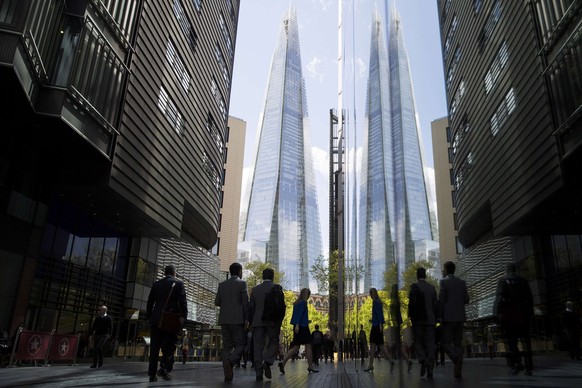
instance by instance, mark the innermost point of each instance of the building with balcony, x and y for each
(513, 94)
(114, 131)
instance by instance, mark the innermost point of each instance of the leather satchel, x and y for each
(170, 321)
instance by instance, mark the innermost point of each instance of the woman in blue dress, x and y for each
(377, 331)
(301, 333)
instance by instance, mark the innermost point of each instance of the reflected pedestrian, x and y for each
(377, 331)
(514, 310)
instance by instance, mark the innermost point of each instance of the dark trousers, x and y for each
(316, 353)
(453, 340)
(98, 342)
(512, 335)
(424, 343)
(233, 342)
(265, 345)
(167, 343)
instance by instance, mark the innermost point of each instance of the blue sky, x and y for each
(258, 30)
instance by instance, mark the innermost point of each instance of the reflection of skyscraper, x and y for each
(394, 206)
(282, 211)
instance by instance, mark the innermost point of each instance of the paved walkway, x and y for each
(549, 371)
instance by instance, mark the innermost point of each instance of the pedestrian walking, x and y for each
(266, 332)
(101, 331)
(301, 334)
(453, 297)
(571, 321)
(167, 294)
(328, 347)
(514, 310)
(377, 331)
(185, 346)
(317, 344)
(362, 343)
(232, 298)
(422, 311)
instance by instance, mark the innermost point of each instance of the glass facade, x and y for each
(282, 210)
(394, 206)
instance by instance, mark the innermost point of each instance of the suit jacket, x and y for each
(258, 302)
(513, 301)
(233, 299)
(453, 297)
(430, 302)
(158, 295)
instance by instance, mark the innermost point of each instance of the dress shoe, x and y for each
(458, 369)
(311, 370)
(153, 379)
(228, 373)
(164, 375)
(259, 377)
(93, 366)
(281, 368)
(369, 369)
(267, 369)
(518, 368)
(429, 374)
(422, 368)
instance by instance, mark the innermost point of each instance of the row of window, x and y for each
(168, 107)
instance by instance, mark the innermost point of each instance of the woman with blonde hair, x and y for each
(301, 333)
(377, 331)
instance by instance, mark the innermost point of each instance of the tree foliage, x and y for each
(391, 275)
(320, 272)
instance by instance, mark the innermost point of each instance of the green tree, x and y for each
(391, 275)
(320, 272)
(315, 317)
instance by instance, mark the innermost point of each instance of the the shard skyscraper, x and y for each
(282, 211)
(394, 206)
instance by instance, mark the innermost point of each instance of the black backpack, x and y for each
(274, 307)
(416, 304)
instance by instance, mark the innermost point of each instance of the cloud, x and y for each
(361, 68)
(430, 183)
(313, 69)
(320, 161)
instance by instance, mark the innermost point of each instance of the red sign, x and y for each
(33, 345)
(64, 347)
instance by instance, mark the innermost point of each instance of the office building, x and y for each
(280, 215)
(514, 116)
(114, 130)
(394, 206)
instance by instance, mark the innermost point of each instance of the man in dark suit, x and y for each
(101, 330)
(514, 310)
(423, 326)
(170, 287)
(453, 297)
(265, 333)
(232, 298)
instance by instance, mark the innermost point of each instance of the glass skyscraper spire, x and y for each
(282, 210)
(394, 207)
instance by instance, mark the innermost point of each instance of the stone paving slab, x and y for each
(549, 372)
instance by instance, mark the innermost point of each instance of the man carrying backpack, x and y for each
(422, 310)
(266, 316)
(316, 344)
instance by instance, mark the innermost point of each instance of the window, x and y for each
(504, 109)
(457, 100)
(198, 5)
(177, 65)
(464, 171)
(496, 67)
(226, 37)
(170, 111)
(214, 133)
(460, 134)
(211, 171)
(477, 5)
(219, 99)
(459, 246)
(490, 24)
(185, 24)
(222, 63)
(450, 35)
(230, 7)
(453, 67)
